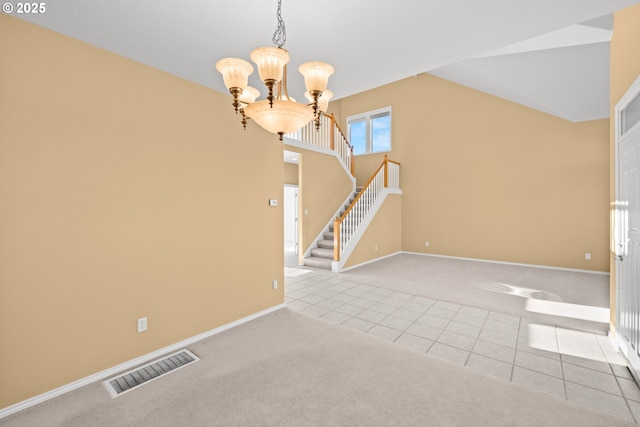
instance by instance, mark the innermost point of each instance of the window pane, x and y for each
(631, 115)
(381, 132)
(358, 136)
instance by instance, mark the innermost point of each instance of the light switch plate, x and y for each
(273, 202)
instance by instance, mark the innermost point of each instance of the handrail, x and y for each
(341, 218)
(357, 211)
(330, 137)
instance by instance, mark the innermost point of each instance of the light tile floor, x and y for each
(581, 367)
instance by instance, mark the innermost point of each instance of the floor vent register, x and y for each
(154, 370)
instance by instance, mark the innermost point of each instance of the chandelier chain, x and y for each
(280, 35)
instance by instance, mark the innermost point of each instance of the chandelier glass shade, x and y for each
(235, 72)
(270, 62)
(283, 117)
(279, 113)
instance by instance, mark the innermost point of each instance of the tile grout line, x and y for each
(515, 351)
(564, 381)
(615, 376)
(414, 322)
(444, 328)
(626, 401)
(484, 322)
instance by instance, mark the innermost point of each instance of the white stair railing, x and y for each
(328, 137)
(393, 175)
(387, 176)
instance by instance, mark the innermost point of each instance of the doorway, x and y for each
(626, 233)
(291, 241)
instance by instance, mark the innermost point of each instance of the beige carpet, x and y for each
(286, 369)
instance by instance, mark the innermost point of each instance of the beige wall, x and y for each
(125, 192)
(625, 69)
(323, 186)
(383, 235)
(291, 174)
(486, 178)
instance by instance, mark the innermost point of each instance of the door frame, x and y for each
(617, 231)
(296, 218)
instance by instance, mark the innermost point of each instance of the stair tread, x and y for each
(318, 262)
(322, 256)
(325, 244)
(322, 253)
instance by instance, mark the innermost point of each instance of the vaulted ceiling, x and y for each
(551, 55)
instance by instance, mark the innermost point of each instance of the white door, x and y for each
(291, 218)
(627, 224)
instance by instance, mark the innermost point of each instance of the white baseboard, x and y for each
(370, 261)
(129, 364)
(548, 267)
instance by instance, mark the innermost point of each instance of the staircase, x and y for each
(332, 248)
(322, 255)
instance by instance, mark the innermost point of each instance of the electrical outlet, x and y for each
(587, 256)
(426, 243)
(275, 285)
(142, 324)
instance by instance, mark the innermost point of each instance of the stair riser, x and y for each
(325, 244)
(322, 253)
(318, 263)
(322, 256)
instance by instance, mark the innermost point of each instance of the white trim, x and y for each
(320, 236)
(370, 261)
(9, 410)
(336, 266)
(629, 96)
(306, 146)
(631, 93)
(548, 267)
(322, 150)
(366, 117)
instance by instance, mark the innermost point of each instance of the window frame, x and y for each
(368, 119)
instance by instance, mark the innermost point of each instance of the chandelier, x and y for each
(278, 113)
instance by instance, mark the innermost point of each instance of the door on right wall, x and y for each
(627, 225)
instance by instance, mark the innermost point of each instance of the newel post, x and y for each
(353, 161)
(336, 239)
(386, 171)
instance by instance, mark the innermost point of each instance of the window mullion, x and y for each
(369, 135)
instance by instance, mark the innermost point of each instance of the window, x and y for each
(630, 115)
(370, 132)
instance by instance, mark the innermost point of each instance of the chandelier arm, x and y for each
(280, 35)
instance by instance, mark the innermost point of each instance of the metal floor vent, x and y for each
(132, 379)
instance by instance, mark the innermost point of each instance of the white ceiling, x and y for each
(552, 55)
